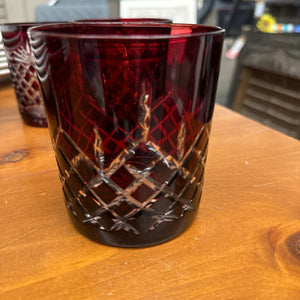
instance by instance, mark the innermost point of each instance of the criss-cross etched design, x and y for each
(146, 184)
(25, 81)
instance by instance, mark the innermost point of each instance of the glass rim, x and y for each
(124, 20)
(27, 25)
(94, 20)
(42, 30)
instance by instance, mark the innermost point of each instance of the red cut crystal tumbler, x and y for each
(22, 72)
(129, 109)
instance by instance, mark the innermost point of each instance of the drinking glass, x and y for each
(23, 75)
(129, 109)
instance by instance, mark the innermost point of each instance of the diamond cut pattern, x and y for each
(163, 191)
(24, 79)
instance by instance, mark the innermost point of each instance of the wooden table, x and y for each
(244, 244)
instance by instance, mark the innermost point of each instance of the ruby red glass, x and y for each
(23, 75)
(129, 110)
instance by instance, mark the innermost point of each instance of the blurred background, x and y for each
(260, 71)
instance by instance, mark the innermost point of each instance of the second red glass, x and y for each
(23, 75)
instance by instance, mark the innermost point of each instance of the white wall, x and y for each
(24, 10)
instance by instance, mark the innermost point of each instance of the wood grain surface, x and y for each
(244, 244)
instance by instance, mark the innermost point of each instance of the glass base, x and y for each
(121, 238)
(31, 121)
